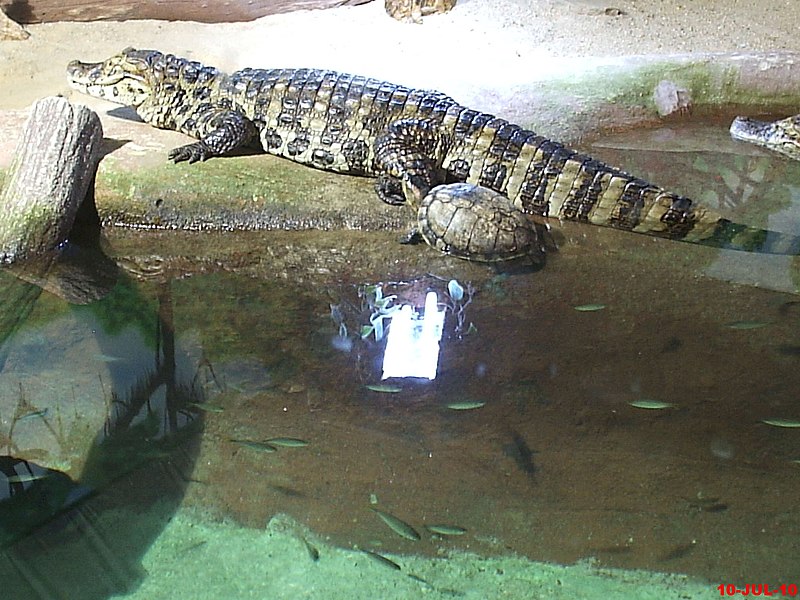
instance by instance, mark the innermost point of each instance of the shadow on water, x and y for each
(533, 436)
(91, 474)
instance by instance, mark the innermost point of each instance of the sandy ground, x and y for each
(500, 43)
(559, 67)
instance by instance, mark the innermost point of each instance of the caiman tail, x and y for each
(734, 236)
(565, 184)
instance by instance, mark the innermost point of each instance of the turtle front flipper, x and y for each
(408, 161)
(222, 130)
(412, 237)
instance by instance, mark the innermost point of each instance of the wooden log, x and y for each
(81, 276)
(10, 30)
(51, 172)
(50, 182)
(48, 11)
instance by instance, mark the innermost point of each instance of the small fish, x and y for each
(613, 549)
(401, 528)
(253, 444)
(445, 529)
(286, 442)
(106, 358)
(313, 553)
(33, 415)
(466, 405)
(207, 407)
(27, 477)
(710, 505)
(782, 423)
(789, 350)
(383, 388)
(589, 307)
(419, 579)
(651, 404)
(679, 551)
(745, 325)
(673, 344)
(286, 491)
(192, 547)
(784, 308)
(521, 453)
(379, 558)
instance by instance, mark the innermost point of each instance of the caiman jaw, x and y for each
(120, 79)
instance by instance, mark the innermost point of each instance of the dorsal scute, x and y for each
(476, 223)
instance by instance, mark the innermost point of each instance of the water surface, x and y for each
(135, 406)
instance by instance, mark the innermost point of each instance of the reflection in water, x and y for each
(412, 346)
(412, 310)
(83, 536)
(529, 440)
(745, 183)
(31, 494)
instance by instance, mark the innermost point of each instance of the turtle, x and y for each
(475, 223)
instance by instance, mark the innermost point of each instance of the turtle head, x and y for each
(125, 78)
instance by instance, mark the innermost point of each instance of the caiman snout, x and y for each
(781, 136)
(747, 129)
(81, 72)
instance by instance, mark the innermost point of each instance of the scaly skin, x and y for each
(781, 136)
(475, 223)
(410, 140)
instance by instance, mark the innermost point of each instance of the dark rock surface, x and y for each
(48, 11)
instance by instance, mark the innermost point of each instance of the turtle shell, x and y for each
(476, 223)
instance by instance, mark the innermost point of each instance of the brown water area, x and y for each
(557, 465)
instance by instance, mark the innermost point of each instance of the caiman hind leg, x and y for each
(220, 131)
(408, 161)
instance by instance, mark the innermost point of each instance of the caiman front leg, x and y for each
(220, 131)
(408, 161)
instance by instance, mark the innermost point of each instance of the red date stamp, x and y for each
(757, 589)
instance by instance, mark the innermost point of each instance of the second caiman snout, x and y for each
(780, 136)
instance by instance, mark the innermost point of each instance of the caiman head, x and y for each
(781, 136)
(126, 78)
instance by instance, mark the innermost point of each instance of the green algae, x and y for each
(274, 563)
(244, 192)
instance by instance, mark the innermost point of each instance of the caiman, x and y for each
(781, 136)
(410, 140)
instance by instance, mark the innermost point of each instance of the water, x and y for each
(126, 409)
